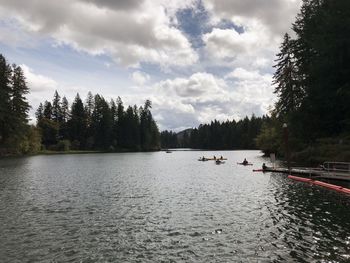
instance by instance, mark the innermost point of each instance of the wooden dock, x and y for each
(312, 172)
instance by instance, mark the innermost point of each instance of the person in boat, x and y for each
(245, 162)
(264, 167)
(203, 159)
(214, 157)
(221, 158)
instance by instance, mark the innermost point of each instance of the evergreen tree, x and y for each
(56, 108)
(63, 127)
(47, 110)
(102, 124)
(39, 113)
(77, 124)
(5, 99)
(288, 87)
(119, 131)
(19, 104)
(322, 53)
(149, 133)
(89, 107)
(64, 110)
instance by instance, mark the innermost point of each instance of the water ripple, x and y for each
(164, 208)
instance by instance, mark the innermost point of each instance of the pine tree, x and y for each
(119, 130)
(56, 108)
(19, 104)
(288, 87)
(89, 107)
(5, 99)
(65, 110)
(323, 60)
(47, 110)
(39, 113)
(77, 124)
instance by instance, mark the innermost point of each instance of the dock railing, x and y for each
(336, 167)
(329, 169)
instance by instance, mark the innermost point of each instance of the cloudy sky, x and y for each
(197, 60)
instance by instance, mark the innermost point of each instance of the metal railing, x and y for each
(338, 167)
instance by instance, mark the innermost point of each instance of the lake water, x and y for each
(159, 207)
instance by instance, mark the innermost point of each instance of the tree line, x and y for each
(217, 135)
(96, 124)
(16, 136)
(312, 80)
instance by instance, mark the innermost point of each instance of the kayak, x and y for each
(212, 159)
(219, 162)
(245, 164)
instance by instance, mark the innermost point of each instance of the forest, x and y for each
(96, 125)
(16, 136)
(93, 125)
(217, 135)
(312, 82)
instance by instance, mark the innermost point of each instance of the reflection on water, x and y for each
(147, 207)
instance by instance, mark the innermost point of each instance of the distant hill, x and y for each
(181, 134)
(183, 137)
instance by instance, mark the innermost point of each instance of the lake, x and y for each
(159, 207)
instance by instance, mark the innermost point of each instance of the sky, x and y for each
(196, 60)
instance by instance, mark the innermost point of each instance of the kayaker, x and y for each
(214, 157)
(221, 157)
(264, 167)
(245, 162)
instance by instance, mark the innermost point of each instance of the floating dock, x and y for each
(328, 171)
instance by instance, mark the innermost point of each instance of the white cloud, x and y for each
(196, 85)
(252, 48)
(139, 31)
(135, 32)
(261, 24)
(202, 97)
(275, 15)
(140, 78)
(243, 74)
(37, 82)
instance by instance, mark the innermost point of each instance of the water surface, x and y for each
(154, 207)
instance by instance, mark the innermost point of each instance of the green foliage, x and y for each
(77, 124)
(49, 130)
(14, 130)
(313, 84)
(268, 139)
(5, 100)
(34, 140)
(63, 145)
(217, 135)
(97, 125)
(325, 149)
(56, 108)
(169, 139)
